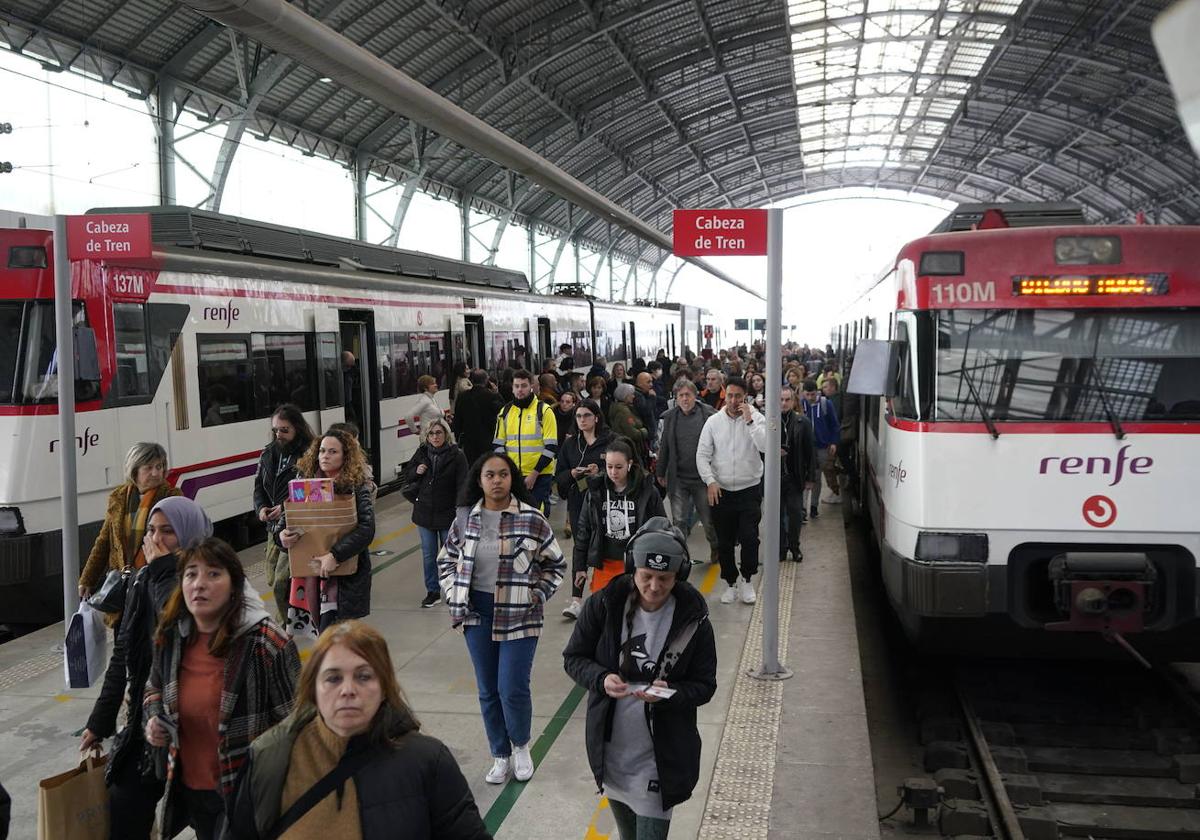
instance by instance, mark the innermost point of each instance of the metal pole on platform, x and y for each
(771, 668)
(65, 360)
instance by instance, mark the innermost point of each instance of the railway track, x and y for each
(1039, 751)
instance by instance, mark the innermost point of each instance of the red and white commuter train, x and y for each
(231, 318)
(1030, 445)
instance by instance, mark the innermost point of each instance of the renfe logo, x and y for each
(227, 313)
(83, 442)
(1100, 465)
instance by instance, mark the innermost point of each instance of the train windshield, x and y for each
(28, 366)
(1068, 365)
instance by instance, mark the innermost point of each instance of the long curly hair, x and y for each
(354, 462)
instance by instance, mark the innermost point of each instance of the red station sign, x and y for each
(125, 236)
(720, 233)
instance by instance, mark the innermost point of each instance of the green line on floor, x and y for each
(512, 791)
(377, 568)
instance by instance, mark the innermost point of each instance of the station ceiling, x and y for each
(692, 103)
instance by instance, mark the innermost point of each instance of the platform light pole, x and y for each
(753, 233)
(65, 360)
(771, 668)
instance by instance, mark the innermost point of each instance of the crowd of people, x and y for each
(241, 742)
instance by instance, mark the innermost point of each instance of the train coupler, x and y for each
(1104, 592)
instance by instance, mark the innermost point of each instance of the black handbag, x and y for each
(110, 597)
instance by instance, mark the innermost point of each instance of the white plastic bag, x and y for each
(85, 651)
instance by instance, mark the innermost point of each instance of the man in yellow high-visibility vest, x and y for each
(527, 430)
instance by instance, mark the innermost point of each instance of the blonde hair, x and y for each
(141, 454)
(437, 421)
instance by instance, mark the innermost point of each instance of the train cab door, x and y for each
(360, 379)
(473, 353)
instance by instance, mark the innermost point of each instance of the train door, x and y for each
(672, 350)
(623, 350)
(360, 378)
(631, 351)
(473, 342)
(544, 350)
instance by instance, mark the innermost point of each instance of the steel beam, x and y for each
(164, 128)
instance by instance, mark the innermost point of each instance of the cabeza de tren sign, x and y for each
(701, 233)
(125, 235)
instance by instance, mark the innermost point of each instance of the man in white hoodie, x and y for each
(729, 460)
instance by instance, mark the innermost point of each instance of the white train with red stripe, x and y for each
(230, 318)
(1029, 448)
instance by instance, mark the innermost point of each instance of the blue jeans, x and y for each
(541, 492)
(632, 826)
(502, 671)
(431, 544)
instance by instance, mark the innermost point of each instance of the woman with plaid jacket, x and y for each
(498, 568)
(223, 673)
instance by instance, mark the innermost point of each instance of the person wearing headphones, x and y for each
(644, 648)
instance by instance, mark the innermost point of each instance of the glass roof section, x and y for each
(877, 81)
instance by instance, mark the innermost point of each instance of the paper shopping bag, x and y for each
(74, 805)
(323, 524)
(85, 648)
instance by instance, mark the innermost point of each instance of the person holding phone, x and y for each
(580, 458)
(644, 649)
(729, 459)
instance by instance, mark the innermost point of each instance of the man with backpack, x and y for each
(527, 430)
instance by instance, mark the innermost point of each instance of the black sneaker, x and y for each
(430, 599)
(798, 556)
(812, 514)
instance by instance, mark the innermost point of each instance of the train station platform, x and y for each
(789, 759)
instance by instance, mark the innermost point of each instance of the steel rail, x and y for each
(286, 29)
(1000, 808)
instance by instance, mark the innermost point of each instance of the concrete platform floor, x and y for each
(821, 759)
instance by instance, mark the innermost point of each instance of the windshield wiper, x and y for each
(983, 412)
(1094, 370)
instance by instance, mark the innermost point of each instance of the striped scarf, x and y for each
(135, 526)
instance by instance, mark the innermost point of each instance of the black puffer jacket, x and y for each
(433, 494)
(592, 526)
(129, 666)
(594, 652)
(354, 591)
(415, 790)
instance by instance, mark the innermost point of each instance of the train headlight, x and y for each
(11, 523)
(1087, 250)
(933, 547)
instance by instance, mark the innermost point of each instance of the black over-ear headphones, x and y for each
(660, 546)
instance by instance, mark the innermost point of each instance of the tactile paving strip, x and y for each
(29, 669)
(739, 798)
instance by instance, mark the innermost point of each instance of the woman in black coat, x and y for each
(647, 627)
(133, 787)
(431, 481)
(335, 455)
(351, 720)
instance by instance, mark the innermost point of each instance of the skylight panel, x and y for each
(875, 82)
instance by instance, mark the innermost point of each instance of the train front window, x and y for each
(1068, 365)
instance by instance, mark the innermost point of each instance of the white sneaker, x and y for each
(499, 772)
(835, 499)
(748, 596)
(522, 764)
(571, 610)
(729, 595)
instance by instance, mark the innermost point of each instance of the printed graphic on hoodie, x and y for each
(636, 657)
(618, 513)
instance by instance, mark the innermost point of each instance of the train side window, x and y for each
(329, 367)
(283, 372)
(904, 405)
(403, 378)
(27, 256)
(133, 358)
(385, 365)
(226, 377)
